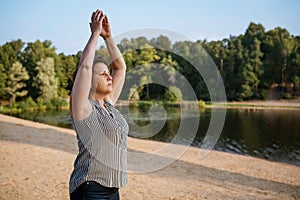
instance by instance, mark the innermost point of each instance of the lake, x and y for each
(272, 134)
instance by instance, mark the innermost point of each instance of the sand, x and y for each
(37, 159)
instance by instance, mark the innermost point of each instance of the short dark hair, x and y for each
(97, 59)
(100, 59)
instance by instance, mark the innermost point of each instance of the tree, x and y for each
(17, 75)
(293, 69)
(238, 67)
(173, 94)
(145, 65)
(10, 53)
(189, 56)
(147, 55)
(217, 51)
(32, 54)
(252, 40)
(45, 81)
(249, 64)
(253, 31)
(68, 66)
(278, 48)
(249, 83)
(3, 77)
(255, 60)
(161, 42)
(229, 65)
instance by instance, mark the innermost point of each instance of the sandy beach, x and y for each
(37, 159)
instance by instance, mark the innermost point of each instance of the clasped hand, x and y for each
(100, 24)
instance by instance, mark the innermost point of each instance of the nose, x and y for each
(109, 77)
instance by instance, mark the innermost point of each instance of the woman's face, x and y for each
(102, 79)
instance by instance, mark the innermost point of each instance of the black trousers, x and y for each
(91, 190)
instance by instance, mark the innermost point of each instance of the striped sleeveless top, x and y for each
(102, 143)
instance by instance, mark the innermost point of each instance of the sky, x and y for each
(66, 22)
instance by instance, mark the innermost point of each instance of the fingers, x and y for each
(93, 16)
(102, 18)
(98, 16)
(105, 19)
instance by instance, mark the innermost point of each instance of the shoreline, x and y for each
(259, 104)
(292, 104)
(252, 104)
(37, 160)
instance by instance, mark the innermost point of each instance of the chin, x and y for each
(109, 91)
(105, 92)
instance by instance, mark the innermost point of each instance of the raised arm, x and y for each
(80, 106)
(117, 62)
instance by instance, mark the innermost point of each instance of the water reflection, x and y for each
(268, 134)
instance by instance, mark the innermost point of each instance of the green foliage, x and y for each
(246, 92)
(296, 82)
(134, 95)
(10, 53)
(56, 103)
(40, 104)
(173, 94)
(201, 103)
(28, 105)
(63, 72)
(3, 76)
(145, 105)
(250, 65)
(287, 95)
(45, 81)
(263, 95)
(32, 55)
(17, 75)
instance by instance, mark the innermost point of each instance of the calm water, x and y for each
(268, 134)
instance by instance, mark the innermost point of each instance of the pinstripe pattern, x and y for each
(102, 143)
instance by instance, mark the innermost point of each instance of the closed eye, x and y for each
(105, 73)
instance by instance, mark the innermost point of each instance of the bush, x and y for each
(134, 95)
(201, 103)
(296, 82)
(173, 94)
(56, 103)
(287, 95)
(30, 103)
(145, 104)
(48, 105)
(27, 105)
(40, 103)
(263, 95)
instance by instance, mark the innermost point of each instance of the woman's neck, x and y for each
(97, 97)
(100, 97)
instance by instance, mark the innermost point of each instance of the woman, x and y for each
(100, 166)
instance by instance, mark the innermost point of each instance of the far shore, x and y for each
(260, 104)
(284, 104)
(251, 104)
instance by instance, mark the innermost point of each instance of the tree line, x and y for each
(258, 64)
